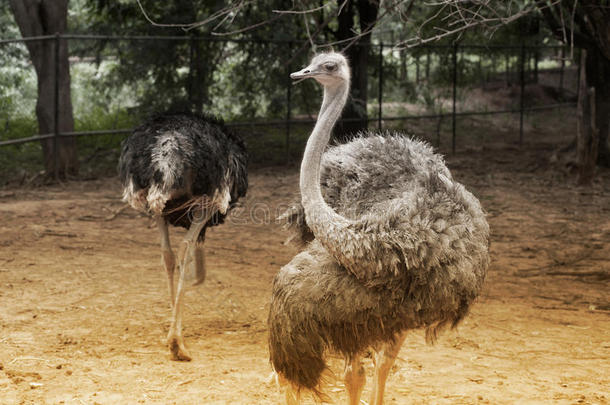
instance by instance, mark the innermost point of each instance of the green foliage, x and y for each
(163, 74)
(17, 90)
(16, 161)
(99, 154)
(8, 28)
(116, 84)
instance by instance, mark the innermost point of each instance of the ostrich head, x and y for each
(329, 69)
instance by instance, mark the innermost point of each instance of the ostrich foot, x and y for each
(177, 349)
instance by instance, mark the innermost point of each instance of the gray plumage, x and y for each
(400, 246)
(404, 202)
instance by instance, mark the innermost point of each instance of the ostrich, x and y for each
(187, 171)
(394, 244)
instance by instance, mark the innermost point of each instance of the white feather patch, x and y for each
(156, 199)
(164, 155)
(137, 200)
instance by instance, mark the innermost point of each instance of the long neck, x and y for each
(334, 101)
(343, 238)
(335, 232)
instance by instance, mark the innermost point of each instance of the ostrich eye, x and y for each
(331, 67)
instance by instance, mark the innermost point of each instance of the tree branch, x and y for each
(558, 29)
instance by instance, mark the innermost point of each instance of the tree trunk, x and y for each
(597, 23)
(598, 74)
(358, 55)
(587, 134)
(48, 17)
(590, 30)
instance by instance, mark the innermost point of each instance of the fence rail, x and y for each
(524, 62)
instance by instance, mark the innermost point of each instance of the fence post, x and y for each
(563, 65)
(56, 111)
(191, 80)
(480, 69)
(522, 95)
(507, 65)
(404, 72)
(526, 64)
(453, 116)
(380, 101)
(288, 107)
(578, 74)
(536, 59)
(427, 63)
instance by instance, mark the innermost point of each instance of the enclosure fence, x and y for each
(514, 65)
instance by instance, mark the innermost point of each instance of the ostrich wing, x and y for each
(411, 215)
(360, 176)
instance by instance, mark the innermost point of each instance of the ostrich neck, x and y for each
(316, 209)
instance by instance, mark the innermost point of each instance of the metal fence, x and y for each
(512, 65)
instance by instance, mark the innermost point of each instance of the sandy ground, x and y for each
(84, 307)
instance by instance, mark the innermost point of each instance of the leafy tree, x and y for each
(257, 74)
(179, 73)
(583, 24)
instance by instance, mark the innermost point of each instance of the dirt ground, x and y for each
(84, 308)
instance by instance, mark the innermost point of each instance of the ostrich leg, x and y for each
(354, 378)
(168, 257)
(384, 359)
(175, 340)
(199, 263)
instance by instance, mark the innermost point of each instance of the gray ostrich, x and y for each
(187, 171)
(394, 244)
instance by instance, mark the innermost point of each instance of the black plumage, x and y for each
(186, 157)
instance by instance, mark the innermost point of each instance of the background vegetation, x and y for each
(117, 83)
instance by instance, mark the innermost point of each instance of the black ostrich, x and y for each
(188, 171)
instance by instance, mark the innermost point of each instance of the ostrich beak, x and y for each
(303, 73)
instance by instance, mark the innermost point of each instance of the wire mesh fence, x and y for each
(119, 80)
